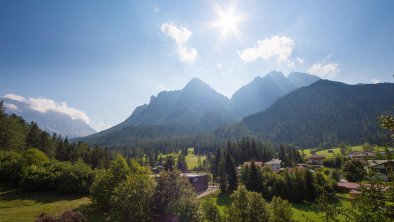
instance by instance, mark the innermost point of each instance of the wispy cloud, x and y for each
(15, 97)
(181, 36)
(324, 70)
(275, 47)
(44, 105)
(11, 106)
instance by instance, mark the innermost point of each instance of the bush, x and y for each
(353, 170)
(281, 210)
(210, 212)
(62, 176)
(40, 178)
(105, 182)
(67, 216)
(75, 178)
(132, 200)
(34, 156)
(10, 167)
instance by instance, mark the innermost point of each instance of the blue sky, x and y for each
(107, 57)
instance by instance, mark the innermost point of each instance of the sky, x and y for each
(100, 59)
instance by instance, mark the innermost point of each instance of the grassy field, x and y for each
(191, 158)
(307, 152)
(305, 211)
(20, 206)
(301, 211)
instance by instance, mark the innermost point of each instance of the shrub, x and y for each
(75, 178)
(67, 216)
(34, 156)
(39, 178)
(10, 166)
(132, 200)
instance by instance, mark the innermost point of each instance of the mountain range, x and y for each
(198, 108)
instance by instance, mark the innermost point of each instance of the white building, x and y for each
(274, 164)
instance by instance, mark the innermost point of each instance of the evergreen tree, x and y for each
(34, 136)
(231, 173)
(181, 164)
(310, 185)
(169, 164)
(253, 182)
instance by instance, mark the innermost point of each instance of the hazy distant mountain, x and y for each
(50, 121)
(262, 92)
(299, 79)
(196, 107)
(196, 104)
(325, 113)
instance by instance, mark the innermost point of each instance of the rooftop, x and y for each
(273, 162)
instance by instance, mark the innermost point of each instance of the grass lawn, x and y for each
(191, 159)
(301, 211)
(307, 152)
(19, 206)
(221, 200)
(305, 211)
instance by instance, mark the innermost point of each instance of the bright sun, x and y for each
(227, 22)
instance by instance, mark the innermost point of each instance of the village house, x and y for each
(346, 186)
(316, 159)
(274, 164)
(383, 168)
(198, 181)
(361, 155)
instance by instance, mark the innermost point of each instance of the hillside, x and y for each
(324, 113)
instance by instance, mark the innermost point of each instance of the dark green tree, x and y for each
(353, 170)
(181, 164)
(169, 164)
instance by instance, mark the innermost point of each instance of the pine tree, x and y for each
(232, 173)
(253, 183)
(34, 136)
(169, 164)
(181, 164)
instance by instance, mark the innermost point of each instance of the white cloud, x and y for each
(181, 36)
(11, 106)
(219, 65)
(324, 70)
(299, 60)
(44, 105)
(15, 97)
(374, 81)
(277, 47)
(187, 54)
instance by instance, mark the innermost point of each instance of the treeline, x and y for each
(295, 185)
(35, 160)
